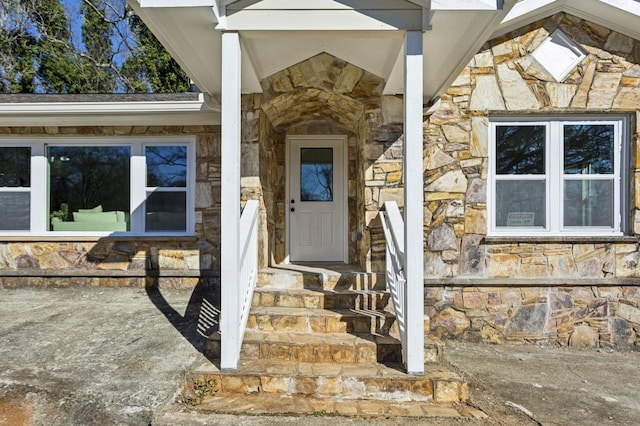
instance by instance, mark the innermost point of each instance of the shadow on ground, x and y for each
(201, 316)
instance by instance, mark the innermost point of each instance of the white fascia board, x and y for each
(107, 113)
(186, 33)
(630, 6)
(176, 3)
(209, 118)
(618, 15)
(466, 4)
(323, 20)
(479, 29)
(526, 12)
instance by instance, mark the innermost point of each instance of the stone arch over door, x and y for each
(319, 96)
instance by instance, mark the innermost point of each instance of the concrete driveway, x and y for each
(90, 356)
(101, 356)
(552, 386)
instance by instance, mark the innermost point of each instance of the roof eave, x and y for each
(109, 113)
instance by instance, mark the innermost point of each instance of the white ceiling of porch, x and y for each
(366, 33)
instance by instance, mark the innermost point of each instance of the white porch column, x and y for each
(413, 201)
(230, 217)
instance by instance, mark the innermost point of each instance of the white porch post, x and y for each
(413, 201)
(230, 217)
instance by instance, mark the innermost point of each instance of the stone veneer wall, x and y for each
(565, 291)
(171, 262)
(326, 95)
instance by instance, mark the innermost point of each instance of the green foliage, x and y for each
(151, 66)
(90, 46)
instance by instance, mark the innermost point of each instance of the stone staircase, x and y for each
(326, 336)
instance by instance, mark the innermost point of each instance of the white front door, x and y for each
(316, 199)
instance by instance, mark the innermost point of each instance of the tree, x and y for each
(151, 66)
(81, 46)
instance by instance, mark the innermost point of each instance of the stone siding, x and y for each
(172, 262)
(588, 295)
(584, 316)
(325, 95)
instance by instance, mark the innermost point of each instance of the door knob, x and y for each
(293, 209)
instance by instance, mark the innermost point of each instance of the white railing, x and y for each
(393, 227)
(237, 312)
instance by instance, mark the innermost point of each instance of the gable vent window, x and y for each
(559, 55)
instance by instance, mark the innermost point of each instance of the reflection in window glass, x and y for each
(166, 166)
(90, 178)
(166, 211)
(14, 211)
(15, 167)
(316, 174)
(588, 149)
(15, 183)
(588, 203)
(521, 203)
(520, 150)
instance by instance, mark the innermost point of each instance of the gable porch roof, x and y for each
(276, 34)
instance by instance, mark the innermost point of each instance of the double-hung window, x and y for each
(557, 176)
(97, 186)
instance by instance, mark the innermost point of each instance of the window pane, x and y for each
(166, 166)
(521, 203)
(316, 174)
(588, 203)
(588, 149)
(15, 167)
(14, 211)
(520, 150)
(166, 211)
(91, 178)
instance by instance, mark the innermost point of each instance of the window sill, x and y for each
(563, 239)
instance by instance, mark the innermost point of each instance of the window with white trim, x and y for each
(96, 186)
(557, 176)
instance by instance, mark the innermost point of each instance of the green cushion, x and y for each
(104, 217)
(96, 209)
(88, 226)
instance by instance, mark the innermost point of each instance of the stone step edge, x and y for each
(323, 279)
(434, 350)
(323, 312)
(318, 291)
(321, 298)
(356, 384)
(315, 270)
(317, 407)
(272, 337)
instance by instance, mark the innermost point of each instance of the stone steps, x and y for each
(314, 347)
(321, 298)
(323, 336)
(318, 279)
(329, 380)
(311, 320)
(278, 405)
(324, 347)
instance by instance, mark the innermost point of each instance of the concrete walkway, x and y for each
(84, 356)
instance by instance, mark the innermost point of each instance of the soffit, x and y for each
(622, 16)
(369, 38)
